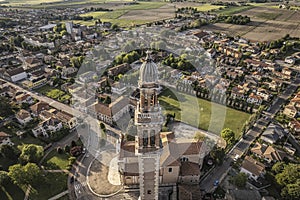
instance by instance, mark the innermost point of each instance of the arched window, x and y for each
(152, 138)
(145, 138)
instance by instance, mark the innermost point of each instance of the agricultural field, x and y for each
(201, 113)
(129, 15)
(233, 10)
(267, 23)
(55, 3)
(208, 7)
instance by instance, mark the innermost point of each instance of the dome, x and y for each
(148, 71)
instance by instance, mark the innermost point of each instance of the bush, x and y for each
(67, 148)
(59, 150)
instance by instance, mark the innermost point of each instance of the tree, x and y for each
(114, 27)
(28, 174)
(228, 135)
(72, 160)
(107, 100)
(102, 126)
(32, 153)
(67, 148)
(288, 178)
(4, 178)
(9, 152)
(218, 155)
(240, 180)
(278, 167)
(5, 108)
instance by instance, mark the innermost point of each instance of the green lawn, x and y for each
(11, 192)
(44, 89)
(202, 113)
(56, 183)
(208, 7)
(234, 10)
(56, 161)
(27, 140)
(53, 93)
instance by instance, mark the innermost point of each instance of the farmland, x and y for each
(134, 14)
(267, 23)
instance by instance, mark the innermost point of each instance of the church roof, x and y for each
(189, 168)
(148, 71)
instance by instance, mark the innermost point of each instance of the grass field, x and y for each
(201, 113)
(208, 7)
(56, 183)
(56, 161)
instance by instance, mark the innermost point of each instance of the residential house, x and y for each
(36, 79)
(289, 148)
(272, 134)
(23, 117)
(119, 69)
(68, 72)
(15, 75)
(23, 98)
(290, 111)
(238, 92)
(290, 60)
(50, 125)
(37, 108)
(112, 112)
(67, 119)
(295, 126)
(252, 168)
(255, 99)
(263, 93)
(87, 76)
(5, 139)
(274, 85)
(268, 153)
(32, 62)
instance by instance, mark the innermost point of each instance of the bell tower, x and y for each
(149, 120)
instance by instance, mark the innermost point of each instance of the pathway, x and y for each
(59, 195)
(27, 192)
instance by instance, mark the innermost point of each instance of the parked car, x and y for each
(216, 183)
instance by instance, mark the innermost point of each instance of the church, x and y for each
(156, 159)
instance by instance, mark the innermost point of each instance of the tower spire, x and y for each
(148, 118)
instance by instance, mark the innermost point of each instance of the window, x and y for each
(152, 138)
(170, 169)
(145, 138)
(149, 191)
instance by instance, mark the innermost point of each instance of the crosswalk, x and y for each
(78, 186)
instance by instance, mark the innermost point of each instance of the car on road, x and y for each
(236, 157)
(216, 183)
